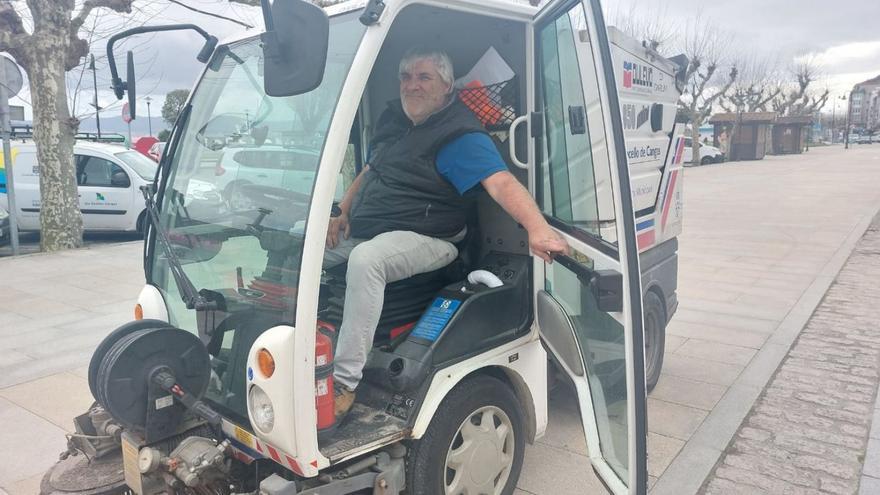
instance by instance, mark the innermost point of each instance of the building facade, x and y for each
(865, 104)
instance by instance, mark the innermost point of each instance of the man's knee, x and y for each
(365, 258)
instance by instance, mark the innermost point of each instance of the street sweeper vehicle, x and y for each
(223, 382)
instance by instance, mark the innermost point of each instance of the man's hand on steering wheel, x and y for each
(337, 224)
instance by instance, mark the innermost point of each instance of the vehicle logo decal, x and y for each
(636, 74)
(100, 197)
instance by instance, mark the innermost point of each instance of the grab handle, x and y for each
(511, 141)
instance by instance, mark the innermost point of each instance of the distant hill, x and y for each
(139, 125)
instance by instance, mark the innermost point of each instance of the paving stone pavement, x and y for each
(809, 431)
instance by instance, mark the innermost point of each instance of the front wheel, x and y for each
(706, 160)
(474, 444)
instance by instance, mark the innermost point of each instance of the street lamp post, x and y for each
(848, 116)
(95, 104)
(149, 118)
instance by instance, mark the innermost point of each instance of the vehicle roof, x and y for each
(83, 146)
(519, 7)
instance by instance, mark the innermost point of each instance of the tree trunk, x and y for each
(695, 141)
(60, 218)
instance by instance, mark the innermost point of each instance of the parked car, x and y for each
(109, 179)
(865, 139)
(293, 169)
(156, 150)
(708, 153)
(4, 227)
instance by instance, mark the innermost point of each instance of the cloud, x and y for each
(846, 55)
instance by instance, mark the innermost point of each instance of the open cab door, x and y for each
(588, 303)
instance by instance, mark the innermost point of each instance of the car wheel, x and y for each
(474, 444)
(655, 338)
(141, 224)
(706, 160)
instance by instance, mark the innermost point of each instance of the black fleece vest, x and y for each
(402, 190)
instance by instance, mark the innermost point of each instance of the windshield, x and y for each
(237, 197)
(141, 165)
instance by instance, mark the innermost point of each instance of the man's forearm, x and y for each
(516, 200)
(348, 197)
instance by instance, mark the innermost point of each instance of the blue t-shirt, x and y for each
(469, 159)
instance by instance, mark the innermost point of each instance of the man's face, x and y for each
(422, 90)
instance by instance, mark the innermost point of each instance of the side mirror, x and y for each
(119, 179)
(294, 47)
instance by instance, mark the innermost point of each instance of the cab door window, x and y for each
(574, 168)
(98, 172)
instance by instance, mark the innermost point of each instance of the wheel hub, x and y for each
(481, 455)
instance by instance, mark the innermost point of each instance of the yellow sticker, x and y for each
(244, 437)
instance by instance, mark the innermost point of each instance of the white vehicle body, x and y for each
(708, 153)
(569, 99)
(109, 178)
(267, 165)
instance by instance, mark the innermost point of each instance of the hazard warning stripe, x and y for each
(248, 445)
(274, 454)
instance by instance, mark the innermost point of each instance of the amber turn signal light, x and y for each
(138, 312)
(266, 363)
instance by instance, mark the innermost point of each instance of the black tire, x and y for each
(426, 470)
(707, 160)
(655, 337)
(141, 224)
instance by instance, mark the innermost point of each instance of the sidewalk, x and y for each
(809, 431)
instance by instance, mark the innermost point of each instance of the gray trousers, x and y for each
(372, 264)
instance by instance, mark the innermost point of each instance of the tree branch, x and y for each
(211, 14)
(13, 37)
(79, 48)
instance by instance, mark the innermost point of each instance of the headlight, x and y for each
(262, 411)
(3, 214)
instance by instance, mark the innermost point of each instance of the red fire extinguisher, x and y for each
(324, 400)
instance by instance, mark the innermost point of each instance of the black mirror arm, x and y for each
(119, 87)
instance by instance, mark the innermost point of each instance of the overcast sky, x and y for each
(842, 35)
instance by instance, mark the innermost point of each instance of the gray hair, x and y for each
(440, 58)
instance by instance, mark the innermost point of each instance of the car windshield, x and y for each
(141, 165)
(237, 194)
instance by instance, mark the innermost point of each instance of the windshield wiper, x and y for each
(200, 300)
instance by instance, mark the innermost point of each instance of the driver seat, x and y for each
(405, 300)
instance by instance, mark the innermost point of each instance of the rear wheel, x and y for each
(706, 160)
(475, 443)
(655, 338)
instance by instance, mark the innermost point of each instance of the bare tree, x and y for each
(799, 98)
(46, 53)
(758, 83)
(707, 80)
(654, 27)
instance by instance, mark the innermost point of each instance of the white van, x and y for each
(109, 179)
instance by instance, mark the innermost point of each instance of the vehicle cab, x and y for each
(456, 383)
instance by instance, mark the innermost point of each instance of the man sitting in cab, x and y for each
(405, 211)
